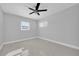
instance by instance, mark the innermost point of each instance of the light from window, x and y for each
(43, 24)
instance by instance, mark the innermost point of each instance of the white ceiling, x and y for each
(22, 10)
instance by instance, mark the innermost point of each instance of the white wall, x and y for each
(12, 28)
(63, 26)
(1, 26)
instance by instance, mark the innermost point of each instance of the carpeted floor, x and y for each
(39, 47)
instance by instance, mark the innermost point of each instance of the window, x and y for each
(25, 25)
(43, 24)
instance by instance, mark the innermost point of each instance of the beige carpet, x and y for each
(39, 47)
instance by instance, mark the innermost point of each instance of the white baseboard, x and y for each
(18, 40)
(4, 43)
(64, 44)
(1, 46)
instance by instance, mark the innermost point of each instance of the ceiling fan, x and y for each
(37, 10)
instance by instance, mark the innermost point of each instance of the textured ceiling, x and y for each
(22, 10)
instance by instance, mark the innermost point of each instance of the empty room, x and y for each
(39, 29)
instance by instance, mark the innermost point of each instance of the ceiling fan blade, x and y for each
(31, 9)
(37, 6)
(31, 13)
(38, 13)
(42, 10)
